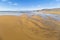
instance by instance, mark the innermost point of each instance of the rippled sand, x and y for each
(34, 27)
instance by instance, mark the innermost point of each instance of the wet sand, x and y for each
(30, 27)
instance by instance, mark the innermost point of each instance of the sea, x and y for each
(30, 13)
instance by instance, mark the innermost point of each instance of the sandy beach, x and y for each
(26, 27)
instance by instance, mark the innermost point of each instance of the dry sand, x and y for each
(28, 28)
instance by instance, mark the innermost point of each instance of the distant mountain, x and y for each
(54, 9)
(51, 11)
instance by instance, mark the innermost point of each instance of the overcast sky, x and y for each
(18, 5)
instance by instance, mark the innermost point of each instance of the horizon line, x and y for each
(28, 10)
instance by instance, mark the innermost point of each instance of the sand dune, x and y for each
(26, 27)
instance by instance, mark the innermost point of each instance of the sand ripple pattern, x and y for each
(30, 27)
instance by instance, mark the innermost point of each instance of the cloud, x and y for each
(11, 3)
(4, 0)
(57, 0)
(15, 4)
(39, 6)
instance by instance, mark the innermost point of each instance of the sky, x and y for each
(18, 5)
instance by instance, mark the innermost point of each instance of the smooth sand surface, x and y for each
(29, 28)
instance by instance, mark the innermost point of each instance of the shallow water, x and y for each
(43, 15)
